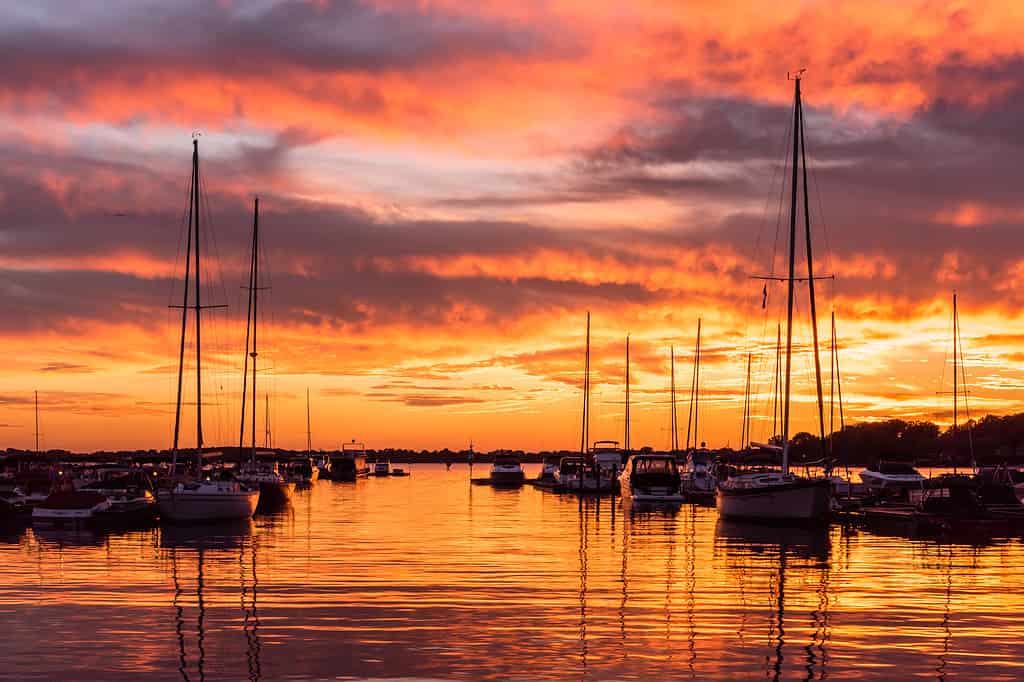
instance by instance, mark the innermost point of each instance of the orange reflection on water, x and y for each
(429, 576)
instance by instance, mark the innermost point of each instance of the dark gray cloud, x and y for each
(252, 39)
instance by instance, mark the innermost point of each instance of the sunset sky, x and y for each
(448, 187)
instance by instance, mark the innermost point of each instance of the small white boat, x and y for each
(698, 478)
(207, 501)
(608, 458)
(262, 473)
(548, 472)
(577, 475)
(653, 479)
(506, 471)
(302, 471)
(885, 476)
(381, 467)
(69, 507)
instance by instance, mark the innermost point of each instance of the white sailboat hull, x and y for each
(193, 506)
(804, 500)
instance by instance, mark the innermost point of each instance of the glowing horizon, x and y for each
(447, 189)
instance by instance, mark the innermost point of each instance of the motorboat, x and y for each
(67, 507)
(14, 505)
(350, 463)
(399, 471)
(130, 493)
(262, 473)
(948, 504)
(699, 481)
(507, 471)
(888, 476)
(609, 459)
(578, 475)
(381, 467)
(302, 471)
(548, 471)
(653, 478)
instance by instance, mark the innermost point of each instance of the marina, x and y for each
(582, 341)
(425, 569)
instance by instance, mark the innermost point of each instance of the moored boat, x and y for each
(507, 471)
(350, 463)
(67, 507)
(778, 495)
(699, 481)
(888, 476)
(263, 473)
(207, 500)
(774, 496)
(191, 498)
(652, 478)
(381, 466)
(131, 497)
(547, 477)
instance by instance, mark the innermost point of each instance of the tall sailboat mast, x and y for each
(810, 279)
(956, 333)
(585, 431)
(626, 436)
(309, 429)
(192, 203)
(790, 280)
(198, 308)
(777, 384)
(691, 417)
(250, 332)
(673, 426)
(745, 431)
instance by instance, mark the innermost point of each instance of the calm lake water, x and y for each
(430, 577)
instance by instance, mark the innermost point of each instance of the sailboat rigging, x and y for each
(193, 498)
(259, 471)
(780, 495)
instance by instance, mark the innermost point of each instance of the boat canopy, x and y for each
(654, 465)
(894, 468)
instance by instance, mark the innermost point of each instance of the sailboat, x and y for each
(262, 471)
(303, 470)
(193, 498)
(698, 478)
(782, 495)
(584, 474)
